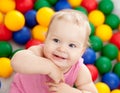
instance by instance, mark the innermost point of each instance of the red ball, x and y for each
(24, 5)
(5, 34)
(93, 70)
(115, 39)
(32, 42)
(89, 4)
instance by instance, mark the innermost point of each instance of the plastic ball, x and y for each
(74, 3)
(62, 4)
(102, 87)
(22, 36)
(40, 4)
(32, 42)
(44, 16)
(118, 58)
(92, 29)
(5, 34)
(90, 5)
(30, 18)
(24, 5)
(110, 51)
(116, 69)
(106, 6)
(82, 9)
(111, 80)
(113, 21)
(115, 91)
(104, 32)
(89, 56)
(93, 70)
(96, 43)
(7, 5)
(38, 32)
(52, 2)
(14, 20)
(1, 18)
(5, 67)
(96, 17)
(115, 39)
(103, 64)
(5, 49)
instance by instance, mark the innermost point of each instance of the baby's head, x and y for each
(67, 37)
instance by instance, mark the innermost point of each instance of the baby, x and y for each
(56, 66)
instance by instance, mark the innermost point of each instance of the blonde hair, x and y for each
(75, 17)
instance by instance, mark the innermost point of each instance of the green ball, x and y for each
(103, 64)
(110, 51)
(113, 21)
(96, 43)
(92, 29)
(52, 2)
(116, 69)
(5, 49)
(41, 3)
(82, 9)
(106, 6)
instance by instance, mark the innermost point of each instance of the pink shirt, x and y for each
(23, 83)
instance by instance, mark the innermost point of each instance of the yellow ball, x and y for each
(96, 17)
(1, 18)
(115, 91)
(104, 32)
(118, 58)
(7, 5)
(14, 20)
(74, 3)
(44, 15)
(38, 32)
(5, 67)
(102, 87)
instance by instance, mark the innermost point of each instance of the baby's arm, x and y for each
(30, 61)
(84, 81)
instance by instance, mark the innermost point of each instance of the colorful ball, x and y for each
(74, 3)
(90, 5)
(96, 43)
(1, 18)
(7, 5)
(115, 39)
(111, 79)
(118, 58)
(103, 65)
(92, 29)
(24, 5)
(52, 2)
(38, 32)
(106, 6)
(30, 18)
(5, 34)
(5, 49)
(115, 91)
(89, 56)
(116, 69)
(93, 70)
(62, 4)
(32, 42)
(96, 17)
(104, 32)
(82, 9)
(44, 16)
(14, 20)
(102, 87)
(110, 51)
(22, 36)
(5, 67)
(113, 21)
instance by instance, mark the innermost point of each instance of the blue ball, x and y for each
(22, 36)
(111, 79)
(62, 4)
(30, 18)
(89, 56)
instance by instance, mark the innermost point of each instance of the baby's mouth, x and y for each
(60, 57)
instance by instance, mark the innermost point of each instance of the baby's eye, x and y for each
(56, 40)
(72, 45)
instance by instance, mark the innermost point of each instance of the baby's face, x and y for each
(64, 43)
